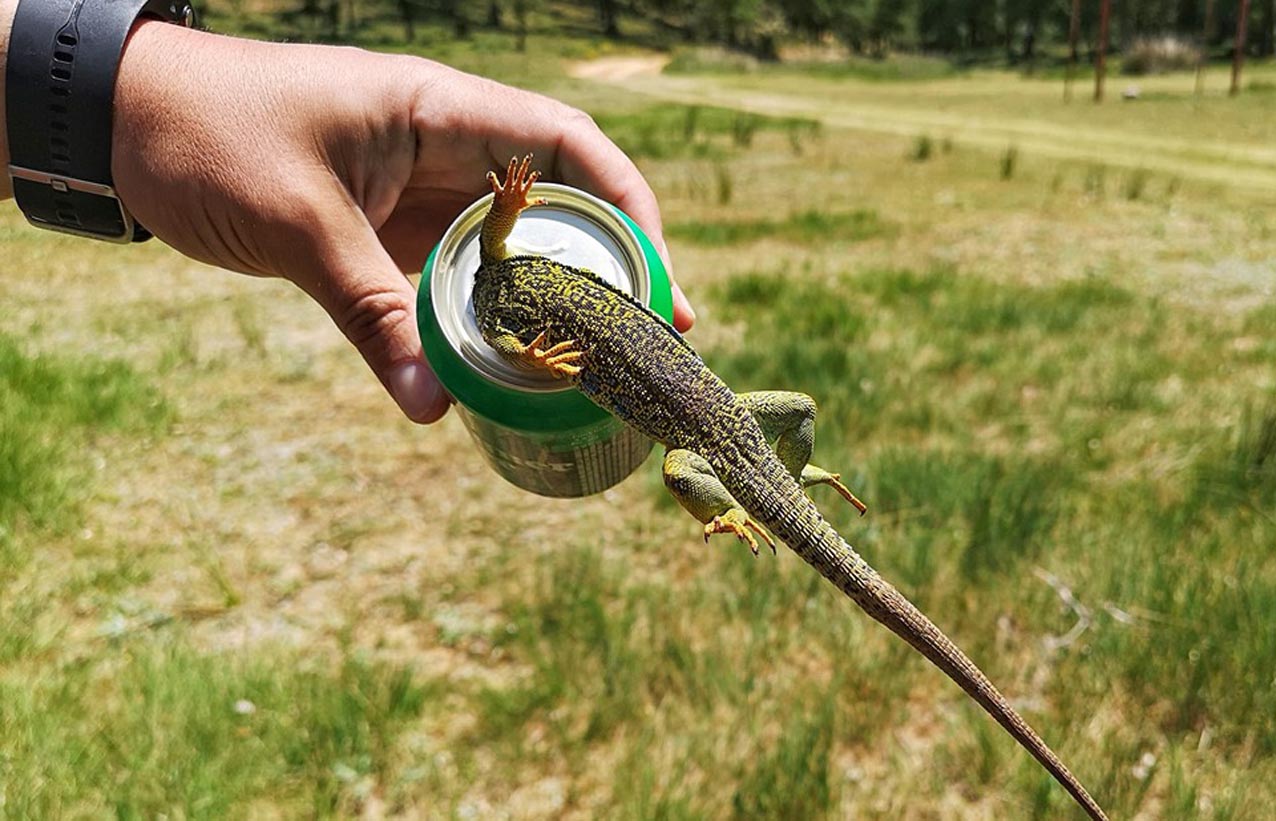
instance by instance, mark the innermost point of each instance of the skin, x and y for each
(338, 173)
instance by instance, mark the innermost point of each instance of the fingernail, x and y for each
(417, 392)
(680, 298)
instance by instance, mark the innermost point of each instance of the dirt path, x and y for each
(837, 105)
(619, 69)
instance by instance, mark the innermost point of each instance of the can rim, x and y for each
(529, 410)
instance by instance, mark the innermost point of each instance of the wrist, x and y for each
(62, 65)
(154, 66)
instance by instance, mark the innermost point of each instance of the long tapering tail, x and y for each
(775, 500)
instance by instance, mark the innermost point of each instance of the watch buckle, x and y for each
(62, 184)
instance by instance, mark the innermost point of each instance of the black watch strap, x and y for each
(59, 94)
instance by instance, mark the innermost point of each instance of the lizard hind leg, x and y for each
(788, 419)
(558, 359)
(693, 483)
(812, 475)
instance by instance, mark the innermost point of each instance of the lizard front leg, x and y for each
(509, 199)
(788, 419)
(693, 483)
(557, 359)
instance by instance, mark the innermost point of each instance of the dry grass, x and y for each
(1035, 371)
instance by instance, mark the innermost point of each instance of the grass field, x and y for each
(233, 582)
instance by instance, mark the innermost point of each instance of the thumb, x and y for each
(374, 305)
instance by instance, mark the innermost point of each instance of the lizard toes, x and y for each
(559, 348)
(563, 358)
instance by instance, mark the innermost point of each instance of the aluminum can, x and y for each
(538, 432)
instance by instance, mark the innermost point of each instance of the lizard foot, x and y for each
(557, 359)
(511, 196)
(739, 523)
(812, 475)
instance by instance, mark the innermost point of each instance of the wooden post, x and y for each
(1074, 30)
(1238, 49)
(1101, 52)
(1204, 46)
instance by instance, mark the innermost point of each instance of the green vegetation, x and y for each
(1068, 375)
(802, 227)
(234, 583)
(1157, 36)
(166, 730)
(885, 69)
(1010, 159)
(923, 147)
(669, 131)
(145, 726)
(50, 408)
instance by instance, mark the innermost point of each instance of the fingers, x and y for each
(373, 304)
(586, 158)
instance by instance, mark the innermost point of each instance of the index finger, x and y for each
(586, 158)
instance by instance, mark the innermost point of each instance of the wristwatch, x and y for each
(59, 95)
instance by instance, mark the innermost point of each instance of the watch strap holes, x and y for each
(58, 91)
(59, 143)
(67, 40)
(64, 57)
(57, 108)
(58, 156)
(58, 125)
(59, 73)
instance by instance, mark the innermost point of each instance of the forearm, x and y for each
(7, 9)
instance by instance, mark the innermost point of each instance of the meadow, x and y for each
(233, 582)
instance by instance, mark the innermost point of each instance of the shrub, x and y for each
(922, 148)
(1009, 160)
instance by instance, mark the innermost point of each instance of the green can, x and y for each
(536, 431)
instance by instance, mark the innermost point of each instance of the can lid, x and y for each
(536, 405)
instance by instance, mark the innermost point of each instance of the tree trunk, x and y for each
(607, 16)
(494, 14)
(1267, 37)
(407, 14)
(520, 25)
(1101, 49)
(1074, 29)
(1206, 32)
(1238, 47)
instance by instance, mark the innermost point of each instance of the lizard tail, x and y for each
(778, 502)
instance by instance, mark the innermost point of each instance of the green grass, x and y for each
(962, 512)
(891, 68)
(1170, 129)
(50, 408)
(802, 227)
(669, 131)
(1058, 370)
(166, 730)
(145, 727)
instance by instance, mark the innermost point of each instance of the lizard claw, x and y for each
(519, 179)
(739, 523)
(835, 481)
(557, 359)
(812, 475)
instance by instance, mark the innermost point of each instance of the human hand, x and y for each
(338, 169)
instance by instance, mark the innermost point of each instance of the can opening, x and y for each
(570, 230)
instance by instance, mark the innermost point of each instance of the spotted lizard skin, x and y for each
(633, 364)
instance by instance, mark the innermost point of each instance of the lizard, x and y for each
(720, 464)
